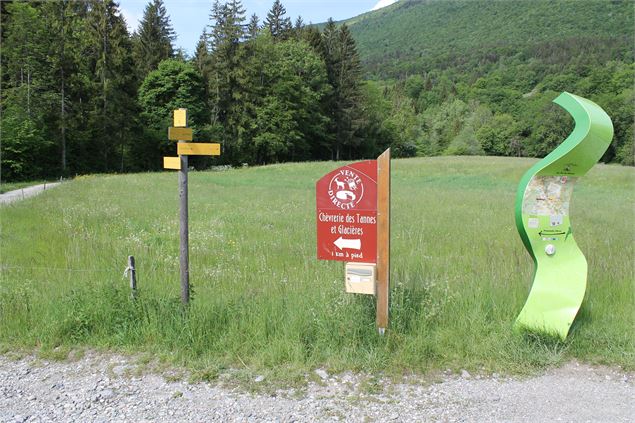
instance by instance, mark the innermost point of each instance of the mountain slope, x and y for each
(412, 36)
(478, 77)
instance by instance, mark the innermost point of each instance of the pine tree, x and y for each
(227, 31)
(153, 41)
(299, 23)
(329, 48)
(253, 28)
(64, 23)
(113, 102)
(344, 71)
(23, 50)
(226, 54)
(279, 25)
(313, 36)
(24, 97)
(236, 20)
(201, 53)
(281, 116)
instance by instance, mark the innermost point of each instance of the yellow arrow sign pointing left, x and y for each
(180, 134)
(198, 149)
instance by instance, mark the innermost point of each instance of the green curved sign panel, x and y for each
(542, 218)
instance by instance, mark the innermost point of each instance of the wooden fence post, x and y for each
(133, 276)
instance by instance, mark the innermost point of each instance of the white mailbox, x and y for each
(360, 278)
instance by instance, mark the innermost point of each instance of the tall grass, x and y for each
(262, 300)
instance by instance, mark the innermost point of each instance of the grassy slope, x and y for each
(414, 36)
(262, 299)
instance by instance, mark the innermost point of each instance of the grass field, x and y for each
(263, 303)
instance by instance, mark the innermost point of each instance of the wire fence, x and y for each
(59, 269)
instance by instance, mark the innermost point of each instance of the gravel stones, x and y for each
(322, 374)
(95, 389)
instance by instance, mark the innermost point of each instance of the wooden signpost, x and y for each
(353, 225)
(383, 240)
(181, 133)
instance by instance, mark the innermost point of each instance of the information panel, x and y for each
(346, 201)
(543, 220)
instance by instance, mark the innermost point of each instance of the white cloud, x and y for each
(383, 3)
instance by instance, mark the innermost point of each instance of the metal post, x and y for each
(184, 249)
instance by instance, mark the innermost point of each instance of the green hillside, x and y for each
(263, 303)
(478, 77)
(414, 36)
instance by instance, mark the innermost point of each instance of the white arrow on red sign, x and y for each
(353, 244)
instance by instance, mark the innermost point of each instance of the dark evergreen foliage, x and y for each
(253, 27)
(278, 24)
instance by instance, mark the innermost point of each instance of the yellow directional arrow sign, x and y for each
(172, 163)
(198, 149)
(180, 134)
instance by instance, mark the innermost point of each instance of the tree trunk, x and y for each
(62, 91)
(121, 137)
(28, 92)
(103, 85)
(63, 125)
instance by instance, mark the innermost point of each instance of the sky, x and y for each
(189, 17)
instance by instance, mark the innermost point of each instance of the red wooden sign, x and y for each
(346, 200)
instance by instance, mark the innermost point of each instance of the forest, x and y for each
(81, 94)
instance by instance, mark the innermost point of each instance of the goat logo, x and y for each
(346, 189)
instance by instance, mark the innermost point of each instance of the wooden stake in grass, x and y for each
(383, 240)
(133, 276)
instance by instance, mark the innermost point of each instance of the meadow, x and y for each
(264, 304)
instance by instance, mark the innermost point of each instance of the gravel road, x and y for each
(109, 388)
(21, 194)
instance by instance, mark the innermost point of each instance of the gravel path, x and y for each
(109, 388)
(21, 194)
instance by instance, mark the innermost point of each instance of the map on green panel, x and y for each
(542, 218)
(548, 196)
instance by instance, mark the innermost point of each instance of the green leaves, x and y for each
(284, 86)
(497, 136)
(24, 145)
(173, 85)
